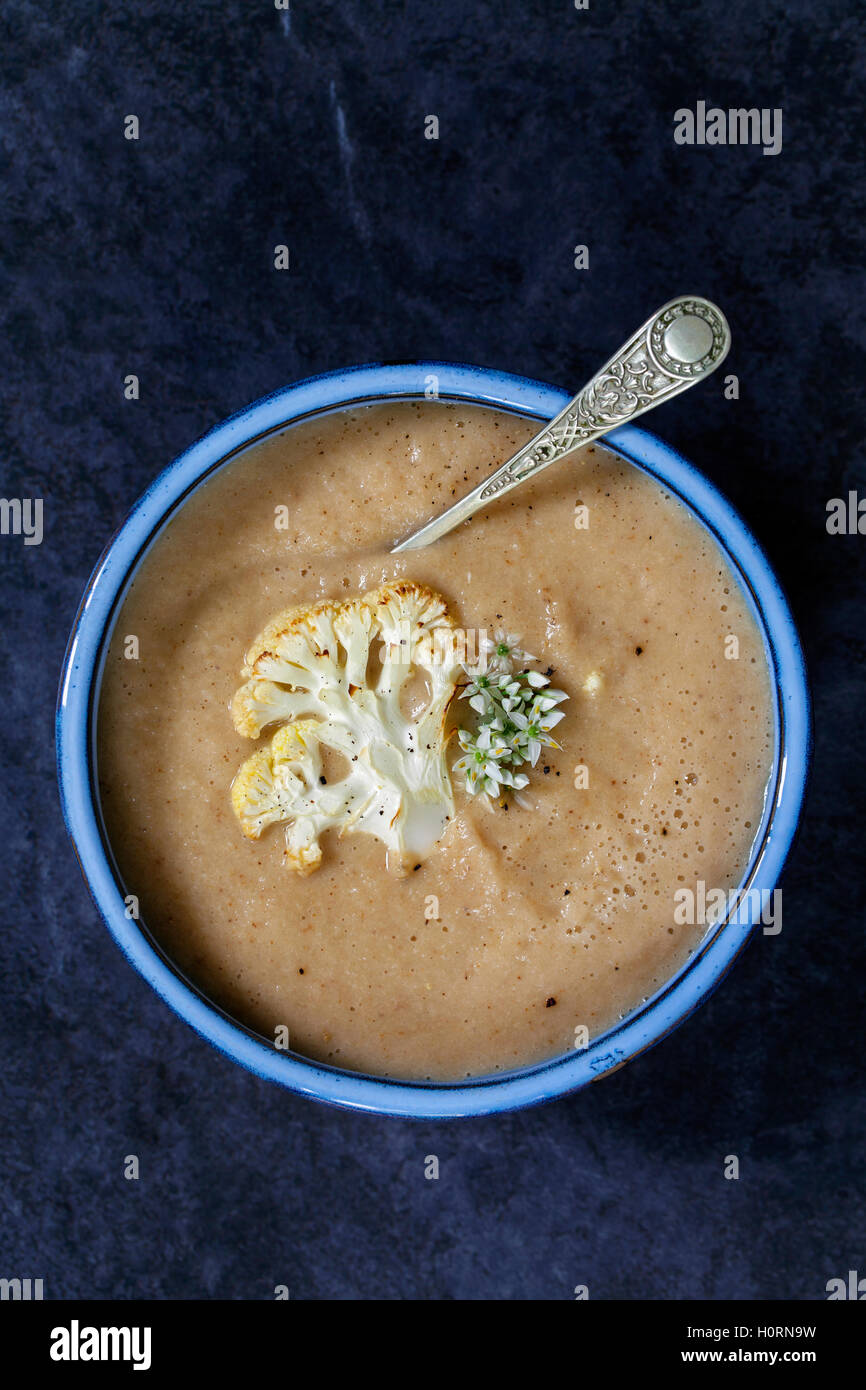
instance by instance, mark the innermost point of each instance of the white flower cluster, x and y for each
(516, 713)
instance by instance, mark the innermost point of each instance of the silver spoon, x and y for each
(681, 344)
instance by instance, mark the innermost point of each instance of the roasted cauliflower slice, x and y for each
(311, 671)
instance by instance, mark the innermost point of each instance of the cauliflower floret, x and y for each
(309, 672)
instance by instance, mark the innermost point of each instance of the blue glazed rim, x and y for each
(79, 689)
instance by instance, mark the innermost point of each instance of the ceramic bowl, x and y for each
(79, 693)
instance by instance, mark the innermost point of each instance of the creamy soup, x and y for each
(524, 924)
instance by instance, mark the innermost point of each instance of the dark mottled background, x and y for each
(155, 258)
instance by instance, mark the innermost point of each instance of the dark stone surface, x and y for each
(155, 258)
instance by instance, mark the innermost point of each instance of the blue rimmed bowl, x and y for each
(79, 696)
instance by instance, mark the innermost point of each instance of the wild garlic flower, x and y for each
(477, 692)
(534, 732)
(506, 650)
(478, 767)
(516, 713)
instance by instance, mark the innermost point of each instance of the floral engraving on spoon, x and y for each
(652, 365)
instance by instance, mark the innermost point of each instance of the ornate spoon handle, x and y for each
(681, 344)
